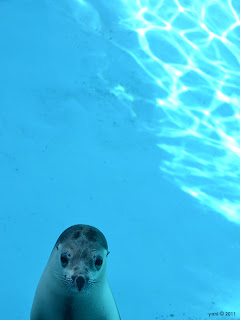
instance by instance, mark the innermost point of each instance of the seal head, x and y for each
(82, 252)
(74, 284)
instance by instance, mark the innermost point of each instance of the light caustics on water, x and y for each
(191, 51)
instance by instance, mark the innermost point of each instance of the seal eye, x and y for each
(64, 260)
(98, 262)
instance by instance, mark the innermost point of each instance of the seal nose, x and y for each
(80, 282)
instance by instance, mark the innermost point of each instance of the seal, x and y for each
(74, 284)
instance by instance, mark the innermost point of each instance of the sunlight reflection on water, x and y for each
(191, 51)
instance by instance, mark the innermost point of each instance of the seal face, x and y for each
(82, 255)
(74, 284)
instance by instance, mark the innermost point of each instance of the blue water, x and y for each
(124, 116)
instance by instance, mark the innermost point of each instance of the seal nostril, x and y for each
(80, 282)
(73, 278)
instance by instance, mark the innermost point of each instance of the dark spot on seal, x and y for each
(76, 235)
(69, 233)
(92, 234)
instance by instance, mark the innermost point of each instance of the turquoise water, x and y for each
(125, 116)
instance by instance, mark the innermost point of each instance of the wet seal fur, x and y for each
(74, 283)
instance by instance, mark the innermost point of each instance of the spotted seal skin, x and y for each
(74, 283)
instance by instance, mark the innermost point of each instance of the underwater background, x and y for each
(124, 115)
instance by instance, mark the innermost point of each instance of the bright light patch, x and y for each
(193, 193)
(161, 102)
(222, 96)
(141, 32)
(191, 56)
(206, 112)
